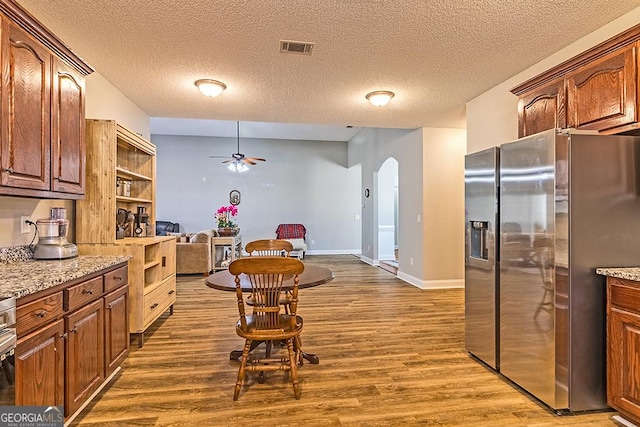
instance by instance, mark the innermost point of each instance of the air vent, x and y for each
(296, 47)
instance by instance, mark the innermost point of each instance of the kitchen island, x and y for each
(623, 340)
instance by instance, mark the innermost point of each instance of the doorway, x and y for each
(387, 200)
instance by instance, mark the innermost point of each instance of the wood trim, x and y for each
(563, 69)
(36, 29)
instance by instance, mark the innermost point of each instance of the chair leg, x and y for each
(294, 369)
(241, 370)
(297, 347)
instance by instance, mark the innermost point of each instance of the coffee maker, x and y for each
(142, 223)
(52, 237)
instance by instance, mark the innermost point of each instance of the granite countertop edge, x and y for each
(19, 279)
(629, 273)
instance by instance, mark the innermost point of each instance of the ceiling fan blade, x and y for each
(257, 159)
(248, 160)
(229, 161)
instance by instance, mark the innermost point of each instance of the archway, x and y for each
(387, 209)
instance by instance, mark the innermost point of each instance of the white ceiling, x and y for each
(434, 54)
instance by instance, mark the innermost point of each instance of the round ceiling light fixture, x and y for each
(210, 87)
(380, 98)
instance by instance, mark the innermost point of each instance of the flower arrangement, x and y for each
(225, 215)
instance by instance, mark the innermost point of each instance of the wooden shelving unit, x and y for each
(114, 152)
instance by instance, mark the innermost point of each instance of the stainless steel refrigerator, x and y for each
(481, 255)
(569, 203)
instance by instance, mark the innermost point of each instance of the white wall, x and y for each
(492, 117)
(306, 182)
(431, 200)
(103, 101)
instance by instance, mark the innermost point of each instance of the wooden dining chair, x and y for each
(267, 320)
(269, 247)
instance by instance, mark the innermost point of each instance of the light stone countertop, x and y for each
(629, 273)
(22, 278)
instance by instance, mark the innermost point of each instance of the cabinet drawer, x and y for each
(116, 278)
(37, 313)
(157, 301)
(624, 294)
(78, 295)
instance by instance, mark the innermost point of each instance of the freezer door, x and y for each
(481, 255)
(527, 271)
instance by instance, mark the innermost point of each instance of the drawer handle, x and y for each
(171, 291)
(164, 261)
(9, 170)
(117, 277)
(74, 330)
(154, 306)
(64, 336)
(87, 291)
(41, 313)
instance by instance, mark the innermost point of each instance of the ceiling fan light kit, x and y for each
(210, 87)
(380, 98)
(237, 166)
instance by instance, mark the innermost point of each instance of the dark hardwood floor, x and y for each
(390, 355)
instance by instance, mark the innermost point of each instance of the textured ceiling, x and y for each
(434, 54)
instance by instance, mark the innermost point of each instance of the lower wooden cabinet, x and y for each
(623, 347)
(71, 340)
(84, 354)
(39, 367)
(116, 329)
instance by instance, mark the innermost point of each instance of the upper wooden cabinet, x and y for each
(596, 90)
(542, 109)
(26, 100)
(67, 130)
(42, 92)
(602, 95)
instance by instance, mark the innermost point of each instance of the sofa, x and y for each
(164, 227)
(193, 252)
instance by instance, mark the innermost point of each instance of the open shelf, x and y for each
(127, 174)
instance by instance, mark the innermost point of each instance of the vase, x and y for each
(227, 231)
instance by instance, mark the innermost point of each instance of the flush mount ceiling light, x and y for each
(210, 87)
(380, 98)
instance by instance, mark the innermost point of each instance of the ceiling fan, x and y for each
(238, 161)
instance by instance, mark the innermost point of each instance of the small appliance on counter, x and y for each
(142, 223)
(52, 237)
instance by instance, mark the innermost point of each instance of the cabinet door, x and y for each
(168, 261)
(25, 104)
(39, 363)
(623, 353)
(602, 95)
(67, 129)
(542, 109)
(85, 354)
(116, 328)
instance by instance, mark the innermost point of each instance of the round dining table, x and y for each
(312, 275)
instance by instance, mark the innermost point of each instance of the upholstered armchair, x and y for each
(296, 235)
(193, 252)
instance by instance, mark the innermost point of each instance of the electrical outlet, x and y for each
(410, 261)
(313, 242)
(24, 227)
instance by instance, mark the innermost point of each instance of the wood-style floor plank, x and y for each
(390, 354)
